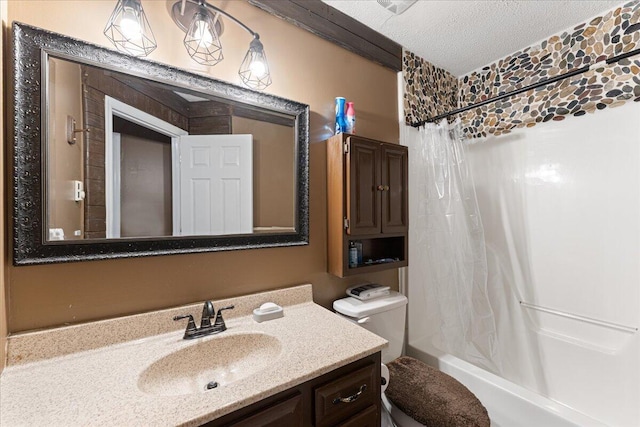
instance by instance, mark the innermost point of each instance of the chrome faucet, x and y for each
(206, 328)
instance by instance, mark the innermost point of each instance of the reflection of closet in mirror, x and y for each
(161, 181)
(139, 200)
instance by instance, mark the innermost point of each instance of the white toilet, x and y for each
(384, 316)
(429, 395)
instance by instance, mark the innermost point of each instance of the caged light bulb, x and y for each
(130, 24)
(202, 33)
(258, 68)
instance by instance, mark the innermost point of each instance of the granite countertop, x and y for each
(74, 376)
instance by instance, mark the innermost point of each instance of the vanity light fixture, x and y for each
(254, 70)
(202, 40)
(128, 29)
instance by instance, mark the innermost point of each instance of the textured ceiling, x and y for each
(461, 36)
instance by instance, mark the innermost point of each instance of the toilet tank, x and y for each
(384, 316)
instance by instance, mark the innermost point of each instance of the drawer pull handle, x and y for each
(352, 398)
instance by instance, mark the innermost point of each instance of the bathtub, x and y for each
(509, 404)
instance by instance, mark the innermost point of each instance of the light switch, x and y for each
(78, 191)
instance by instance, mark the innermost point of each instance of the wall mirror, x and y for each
(116, 156)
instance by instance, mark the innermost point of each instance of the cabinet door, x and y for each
(362, 181)
(287, 413)
(395, 190)
(367, 418)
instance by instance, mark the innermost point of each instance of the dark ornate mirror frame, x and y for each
(31, 48)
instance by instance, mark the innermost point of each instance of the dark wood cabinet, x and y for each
(347, 396)
(284, 413)
(367, 202)
(363, 177)
(395, 176)
(366, 418)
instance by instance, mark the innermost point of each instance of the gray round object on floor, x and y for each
(433, 398)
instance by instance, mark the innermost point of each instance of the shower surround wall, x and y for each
(561, 207)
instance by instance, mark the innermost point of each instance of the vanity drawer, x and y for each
(346, 396)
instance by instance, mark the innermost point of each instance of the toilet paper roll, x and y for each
(384, 376)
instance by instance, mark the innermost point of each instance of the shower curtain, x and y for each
(452, 264)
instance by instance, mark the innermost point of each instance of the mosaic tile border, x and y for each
(429, 90)
(603, 37)
(611, 34)
(606, 86)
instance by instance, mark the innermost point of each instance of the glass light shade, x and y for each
(254, 70)
(202, 41)
(128, 29)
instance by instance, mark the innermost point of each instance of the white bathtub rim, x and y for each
(471, 375)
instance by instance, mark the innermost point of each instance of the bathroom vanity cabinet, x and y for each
(347, 396)
(367, 202)
(123, 372)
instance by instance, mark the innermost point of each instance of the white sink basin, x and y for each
(222, 359)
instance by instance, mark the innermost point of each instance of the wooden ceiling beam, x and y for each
(329, 23)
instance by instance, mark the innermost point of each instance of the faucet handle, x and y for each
(191, 325)
(219, 324)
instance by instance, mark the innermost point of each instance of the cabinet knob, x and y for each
(380, 187)
(386, 188)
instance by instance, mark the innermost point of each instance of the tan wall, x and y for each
(273, 171)
(304, 68)
(65, 160)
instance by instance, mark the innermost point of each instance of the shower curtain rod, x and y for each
(531, 86)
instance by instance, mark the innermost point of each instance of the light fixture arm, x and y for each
(222, 12)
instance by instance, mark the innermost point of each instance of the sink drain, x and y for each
(211, 385)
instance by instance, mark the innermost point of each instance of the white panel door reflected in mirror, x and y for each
(216, 186)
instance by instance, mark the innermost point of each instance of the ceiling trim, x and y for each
(336, 27)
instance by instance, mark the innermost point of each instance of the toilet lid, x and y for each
(356, 308)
